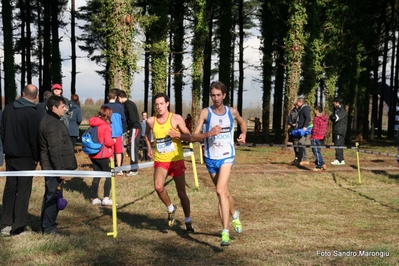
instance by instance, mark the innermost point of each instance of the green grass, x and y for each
(288, 214)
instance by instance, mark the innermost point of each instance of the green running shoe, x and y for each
(171, 217)
(225, 239)
(237, 223)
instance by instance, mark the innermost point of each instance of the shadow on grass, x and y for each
(143, 222)
(77, 184)
(281, 163)
(377, 161)
(160, 225)
(33, 221)
(385, 173)
(362, 194)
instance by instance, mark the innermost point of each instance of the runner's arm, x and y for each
(241, 123)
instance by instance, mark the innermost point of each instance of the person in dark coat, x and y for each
(133, 128)
(19, 129)
(291, 121)
(303, 122)
(76, 119)
(340, 124)
(57, 90)
(56, 153)
(41, 107)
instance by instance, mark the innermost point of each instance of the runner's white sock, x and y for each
(171, 208)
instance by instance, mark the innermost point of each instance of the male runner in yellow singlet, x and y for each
(168, 156)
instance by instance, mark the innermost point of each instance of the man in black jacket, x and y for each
(56, 153)
(19, 128)
(303, 122)
(340, 125)
(133, 128)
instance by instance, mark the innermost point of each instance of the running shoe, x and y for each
(336, 162)
(171, 217)
(225, 239)
(6, 231)
(132, 173)
(237, 223)
(120, 173)
(106, 202)
(96, 201)
(189, 227)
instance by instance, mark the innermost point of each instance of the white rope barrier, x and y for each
(80, 173)
(68, 173)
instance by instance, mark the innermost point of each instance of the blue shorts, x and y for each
(213, 166)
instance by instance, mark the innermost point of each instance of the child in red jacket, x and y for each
(101, 160)
(320, 124)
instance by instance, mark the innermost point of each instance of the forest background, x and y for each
(315, 48)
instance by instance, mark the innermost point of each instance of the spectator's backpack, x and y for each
(90, 143)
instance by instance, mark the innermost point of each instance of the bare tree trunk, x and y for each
(198, 42)
(9, 69)
(29, 40)
(394, 68)
(240, 60)
(206, 80)
(232, 70)
(73, 49)
(56, 70)
(147, 77)
(46, 45)
(23, 43)
(383, 79)
(225, 29)
(178, 46)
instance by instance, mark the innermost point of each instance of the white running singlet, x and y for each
(220, 146)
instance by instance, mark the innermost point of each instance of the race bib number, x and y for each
(165, 145)
(224, 138)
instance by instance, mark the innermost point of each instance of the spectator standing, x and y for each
(118, 119)
(19, 132)
(41, 107)
(257, 126)
(303, 121)
(101, 160)
(76, 119)
(340, 125)
(319, 130)
(56, 89)
(143, 145)
(56, 153)
(133, 128)
(291, 121)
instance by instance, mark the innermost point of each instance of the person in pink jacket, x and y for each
(101, 160)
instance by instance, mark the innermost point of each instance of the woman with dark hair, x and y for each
(76, 118)
(101, 160)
